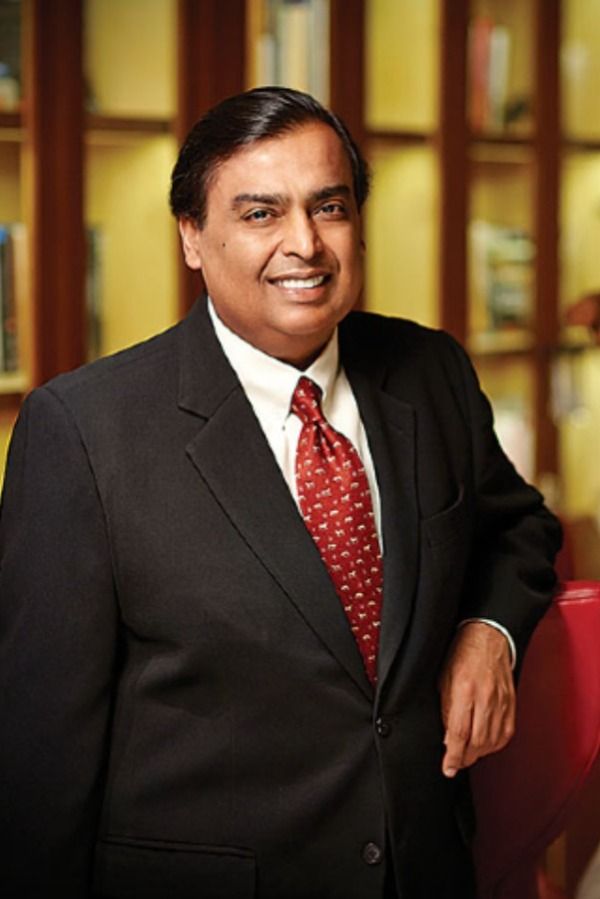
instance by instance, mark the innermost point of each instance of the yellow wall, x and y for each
(130, 56)
(5, 432)
(127, 191)
(10, 185)
(401, 234)
(402, 64)
(502, 192)
(580, 232)
(580, 438)
(511, 390)
(581, 67)
(518, 17)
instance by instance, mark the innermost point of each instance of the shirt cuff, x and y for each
(498, 627)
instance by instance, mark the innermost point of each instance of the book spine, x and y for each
(479, 57)
(4, 287)
(10, 338)
(498, 76)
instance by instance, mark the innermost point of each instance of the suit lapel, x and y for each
(390, 427)
(235, 461)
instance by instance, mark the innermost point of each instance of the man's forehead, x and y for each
(313, 153)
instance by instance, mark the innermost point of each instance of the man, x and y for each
(235, 558)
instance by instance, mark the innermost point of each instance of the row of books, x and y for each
(491, 106)
(93, 291)
(10, 55)
(12, 274)
(293, 48)
(502, 266)
(15, 318)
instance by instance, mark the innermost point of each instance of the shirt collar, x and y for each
(268, 382)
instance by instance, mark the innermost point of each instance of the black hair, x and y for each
(241, 120)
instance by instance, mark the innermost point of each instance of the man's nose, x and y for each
(301, 237)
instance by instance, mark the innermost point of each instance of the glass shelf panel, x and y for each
(579, 234)
(10, 54)
(288, 44)
(130, 57)
(501, 250)
(10, 182)
(576, 410)
(15, 320)
(509, 384)
(402, 233)
(580, 69)
(501, 73)
(402, 64)
(132, 242)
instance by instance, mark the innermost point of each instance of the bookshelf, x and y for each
(485, 220)
(129, 150)
(576, 372)
(87, 178)
(131, 77)
(484, 226)
(484, 135)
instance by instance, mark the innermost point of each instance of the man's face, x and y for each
(280, 249)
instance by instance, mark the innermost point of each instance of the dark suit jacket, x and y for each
(184, 710)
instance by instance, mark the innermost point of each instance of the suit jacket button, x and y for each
(372, 854)
(382, 727)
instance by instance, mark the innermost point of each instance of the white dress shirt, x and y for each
(269, 385)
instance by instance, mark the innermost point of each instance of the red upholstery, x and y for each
(523, 794)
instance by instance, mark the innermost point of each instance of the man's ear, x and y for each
(190, 241)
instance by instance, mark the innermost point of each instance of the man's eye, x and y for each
(333, 208)
(258, 215)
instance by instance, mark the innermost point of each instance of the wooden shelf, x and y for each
(501, 343)
(501, 138)
(10, 119)
(501, 148)
(581, 145)
(11, 127)
(14, 384)
(130, 125)
(400, 136)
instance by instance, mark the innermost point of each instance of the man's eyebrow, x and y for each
(265, 199)
(333, 190)
(317, 196)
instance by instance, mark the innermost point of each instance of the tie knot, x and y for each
(306, 401)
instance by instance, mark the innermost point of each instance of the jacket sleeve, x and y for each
(58, 634)
(511, 575)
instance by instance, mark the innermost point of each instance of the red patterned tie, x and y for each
(335, 501)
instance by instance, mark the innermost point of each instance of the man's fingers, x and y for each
(456, 738)
(493, 719)
(477, 697)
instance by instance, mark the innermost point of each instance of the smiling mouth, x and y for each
(301, 283)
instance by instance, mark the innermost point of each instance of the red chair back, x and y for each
(523, 794)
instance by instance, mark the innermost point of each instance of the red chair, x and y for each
(524, 793)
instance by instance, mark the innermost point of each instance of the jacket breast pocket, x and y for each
(153, 869)
(448, 525)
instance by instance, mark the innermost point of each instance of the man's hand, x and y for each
(478, 696)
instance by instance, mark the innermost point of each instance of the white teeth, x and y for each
(301, 283)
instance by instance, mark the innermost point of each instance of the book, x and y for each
(489, 66)
(93, 292)
(293, 49)
(498, 67)
(480, 32)
(12, 292)
(10, 55)
(502, 260)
